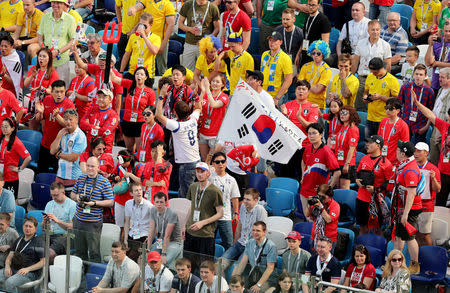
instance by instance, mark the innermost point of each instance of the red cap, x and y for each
(153, 256)
(294, 235)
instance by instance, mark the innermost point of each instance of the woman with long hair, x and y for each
(139, 95)
(150, 132)
(11, 151)
(395, 277)
(284, 284)
(213, 112)
(106, 162)
(40, 77)
(334, 124)
(360, 271)
(346, 142)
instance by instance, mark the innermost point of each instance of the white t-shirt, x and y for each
(162, 282)
(407, 72)
(266, 98)
(229, 188)
(366, 51)
(204, 289)
(358, 31)
(185, 141)
(139, 217)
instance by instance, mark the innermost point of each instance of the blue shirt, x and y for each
(101, 191)
(398, 40)
(8, 204)
(268, 255)
(63, 212)
(71, 143)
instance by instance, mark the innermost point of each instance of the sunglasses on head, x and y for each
(396, 259)
(316, 53)
(219, 161)
(146, 114)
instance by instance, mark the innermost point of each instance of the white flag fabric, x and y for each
(14, 69)
(249, 120)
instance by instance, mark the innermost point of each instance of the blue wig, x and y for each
(321, 46)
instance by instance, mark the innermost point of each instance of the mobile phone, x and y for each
(45, 214)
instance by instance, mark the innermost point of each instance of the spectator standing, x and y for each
(417, 122)
(184, 281)
(157, 172)
(379, 9)
(438, 54)
(392, 129)
(268, 15)
(158, 277)
(57, 31)
(444, 15)
(334, 124)
(355, 30)
(208, 65)
(94, 42)
(7, 203)
(7, 237)
(209, 281)
(50, 110)
(432, 177)
(97, 149)
(28, 21)
(202, 18)
(128, 20)
(366, 50)
(397, 37)
(92, 192)
(10, 65)
(423, 20)
(150, 132)
(301, 9)
(9, 104)
(81, 90)
(235, 20)
(379, 87)
(255, 80)
(344, 85)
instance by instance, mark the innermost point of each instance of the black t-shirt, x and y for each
(32, 250)
(193, 282)
(332, 270)
(293, 44)
(320, 25)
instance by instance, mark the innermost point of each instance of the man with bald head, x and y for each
(397, 37)
(92, 192)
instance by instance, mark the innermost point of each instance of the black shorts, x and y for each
(58, 243)
(362, 212)
(351, 175)
(400, 230)
(131, 129)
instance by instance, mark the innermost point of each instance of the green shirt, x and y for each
(207, 22)
(272, 10)
(300, 17)
(57, 33)
(444, 16)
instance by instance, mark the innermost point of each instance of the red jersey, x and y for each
(383, 173)
(174, 95)
(11, 158)
(428, 201)
(409, 177)
(156, 173)
(357, 276)
(138, 171)
(346, 137)
(235, 22)
(319, 163)
(241, 5)
(310, 114)
(8, 103)
(444, 158)
(41, 81)
(391, 134)
(107, 120)
(105, 160)
(135, 105)
(83, 86)
(243, 155)
(212, 118)
(330, 229)
(99, 75)
(148, 135)
(51, 125)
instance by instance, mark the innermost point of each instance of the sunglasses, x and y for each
(70, 111)
(316, 53)
(145, 114)
(229, 2)
(220, 161)
(344, 112)
(396, 259)
(389, 108)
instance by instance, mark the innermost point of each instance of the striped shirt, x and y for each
(398, 40)
(74, 142)
(101, 191)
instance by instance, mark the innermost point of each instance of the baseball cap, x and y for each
(421, 146)
(294, 235)
(256, 74)
(62, 1)
(103, 57)
(376, 64)
(276, 36)
(153, 256)
(406, 147)
(202, 165)
(106, 92)
(376, 139)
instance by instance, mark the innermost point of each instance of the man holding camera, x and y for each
(325, 214)
(92, 192)
(373, 175)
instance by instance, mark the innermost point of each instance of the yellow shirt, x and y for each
(29, 25)
(206, 68)
(128, 22)
(76, 16)
(387, 86)
(316, 75)
(159, 10)
(9, 12)
(284, 66)
(429, 10)
(238, 67)
(352, 83)
(189, 75)
(134, 44)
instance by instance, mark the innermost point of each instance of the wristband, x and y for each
(161, 98)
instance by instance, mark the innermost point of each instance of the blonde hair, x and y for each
(205, 45)
(388, 267)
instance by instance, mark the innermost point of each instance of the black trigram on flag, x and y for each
(18, 67)
(275, 147)
(249, 110)
(243, 131)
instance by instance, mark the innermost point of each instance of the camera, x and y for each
(85, 198)
(313, 200)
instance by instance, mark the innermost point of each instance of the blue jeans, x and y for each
(226, 233)
(379, 12)
(174, 252)
(15, 280)
(83, 11)
(234, 252)
(186, 176)
(371, 128)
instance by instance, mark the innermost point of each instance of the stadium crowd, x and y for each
(371, 95)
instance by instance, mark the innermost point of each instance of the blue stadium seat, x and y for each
(285, 183)
(404, 10)
(175, 47)
(363, 116)
(90, 30)
(433, 265)
(219, 251)
(359, 156)
(404, 22)
(351, 240)
(40, 195)
(279, 202)
(259, 181)
(46, 178)
(97, 268)
(254, 21)
(172, 59)
(37, 214)
(253, 48)
(30, 135)
(373, 240)
(307, 243)
(348, 198)
(92, 281)
(303, 227)
(19, 216)
(376, 256)
(33, 149)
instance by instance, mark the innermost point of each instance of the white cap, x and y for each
(421, 146)
(202, 165)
